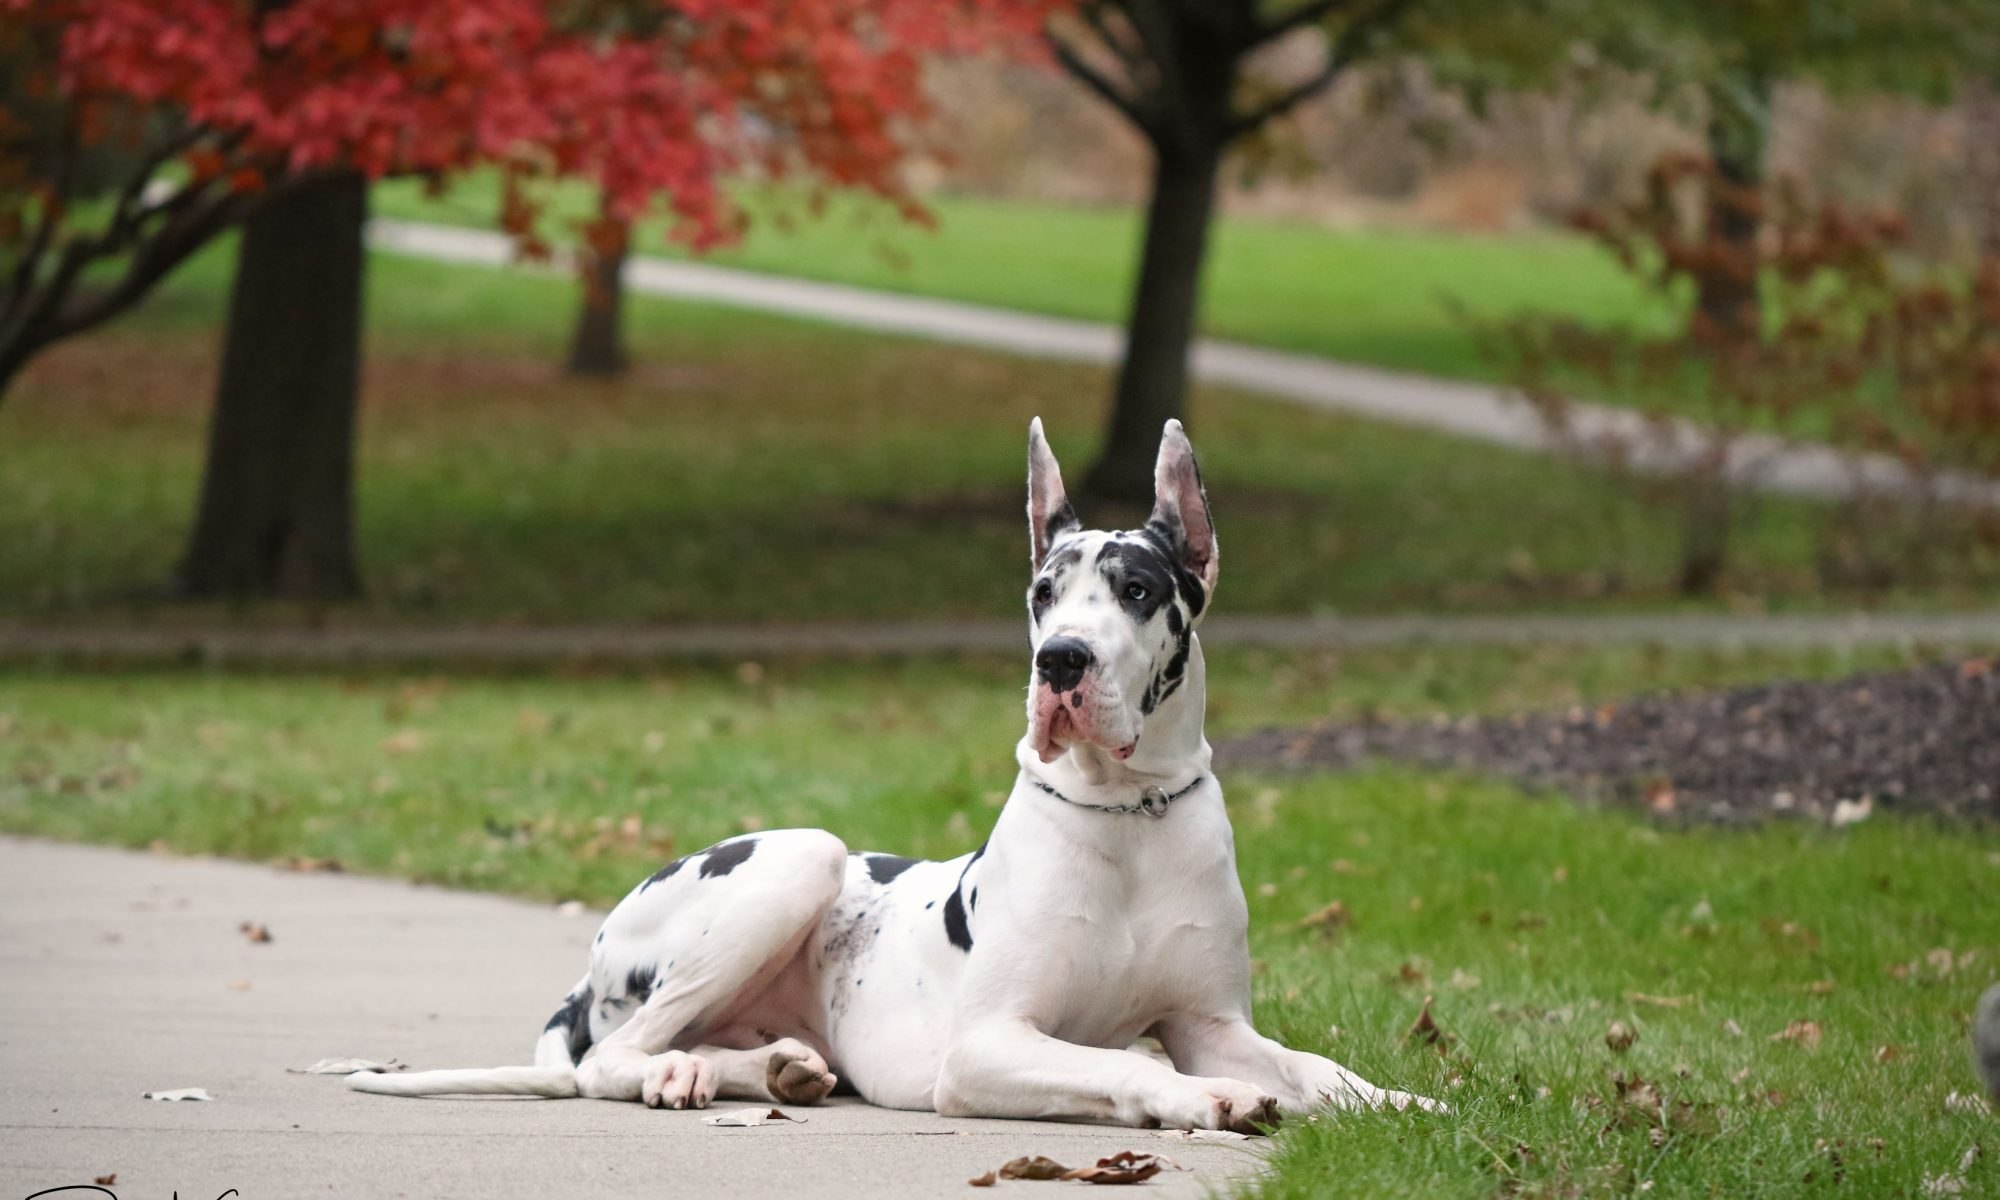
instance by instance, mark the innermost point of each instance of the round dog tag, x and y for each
(1154, 801)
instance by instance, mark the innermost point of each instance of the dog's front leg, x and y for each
(1301, 1081)
(1005, 1067)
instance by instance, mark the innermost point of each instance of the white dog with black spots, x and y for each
(1012, 981)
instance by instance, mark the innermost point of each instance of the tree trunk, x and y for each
(598, 348)
(1982, 160)
(277, 500)
(1152, 384)
(1737, 141)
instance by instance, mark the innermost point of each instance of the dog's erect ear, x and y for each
(1049, 513)
(1180, 506)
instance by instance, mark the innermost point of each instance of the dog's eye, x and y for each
(1135, 592)
(1044, 592)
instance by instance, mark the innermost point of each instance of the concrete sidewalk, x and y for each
(122, 973)
(1480, 412)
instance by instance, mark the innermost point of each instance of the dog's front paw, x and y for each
(1222, 1104)
(678, 1079)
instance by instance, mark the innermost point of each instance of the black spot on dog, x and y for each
(640, 982)
(1169, 677)
(574, 1018)
(666, 872)
(726, 857)
(955, 929)
(1061, 521)
(884, 867)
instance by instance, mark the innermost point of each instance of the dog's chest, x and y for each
(1127, 935)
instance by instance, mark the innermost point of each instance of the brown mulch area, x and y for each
(1925, 740)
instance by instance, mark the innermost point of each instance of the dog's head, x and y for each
(1112, 614)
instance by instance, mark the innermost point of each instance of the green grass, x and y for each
(754, 468)
(1386, 297)
(1531, 921)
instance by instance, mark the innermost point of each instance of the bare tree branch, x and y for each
(1132, 57)
(1345, 49)
(1132, 107)
(1309, 13)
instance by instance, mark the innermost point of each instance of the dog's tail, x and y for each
(554, 1083)
(561, 1046)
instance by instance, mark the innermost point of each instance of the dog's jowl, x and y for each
(1011, 982)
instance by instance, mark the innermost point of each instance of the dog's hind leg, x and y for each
(723, 937)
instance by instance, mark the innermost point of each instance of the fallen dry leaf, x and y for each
(1329, 920)
(1887, 1054)
(311, 866)
(1425, 1029)
(256, 931)
(106, 1180)
(408, 741)
(1032, 1167)
(1658, 1001)
(1463, 981)
(348, 1066)
(1122, 1167)
(179, 1094)
(1620, 1036)
(1731, 1028)
(747, 1117)
(986, 1180)
(1805, 1033)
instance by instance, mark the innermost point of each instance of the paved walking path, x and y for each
(123, 973)
(1480, 412)
(556, 645)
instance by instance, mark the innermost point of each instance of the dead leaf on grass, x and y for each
(1426, 1030)
(1885, 1054)
(1329, 920)
(1658, 1001)
(1805, 1033)
(256, 931)
(1731, 1028)
(1620, 1036)
(408, 741)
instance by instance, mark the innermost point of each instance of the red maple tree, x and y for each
(211, 106)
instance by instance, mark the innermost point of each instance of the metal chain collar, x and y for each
(1153, 801)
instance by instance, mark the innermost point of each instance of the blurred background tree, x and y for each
(277, 114)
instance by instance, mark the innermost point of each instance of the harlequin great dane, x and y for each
(1010, 982)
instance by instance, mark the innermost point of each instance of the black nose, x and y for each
(1062, 661)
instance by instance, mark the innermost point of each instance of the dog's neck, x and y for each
(1172, 750)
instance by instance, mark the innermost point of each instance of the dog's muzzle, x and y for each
(1062, 661)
